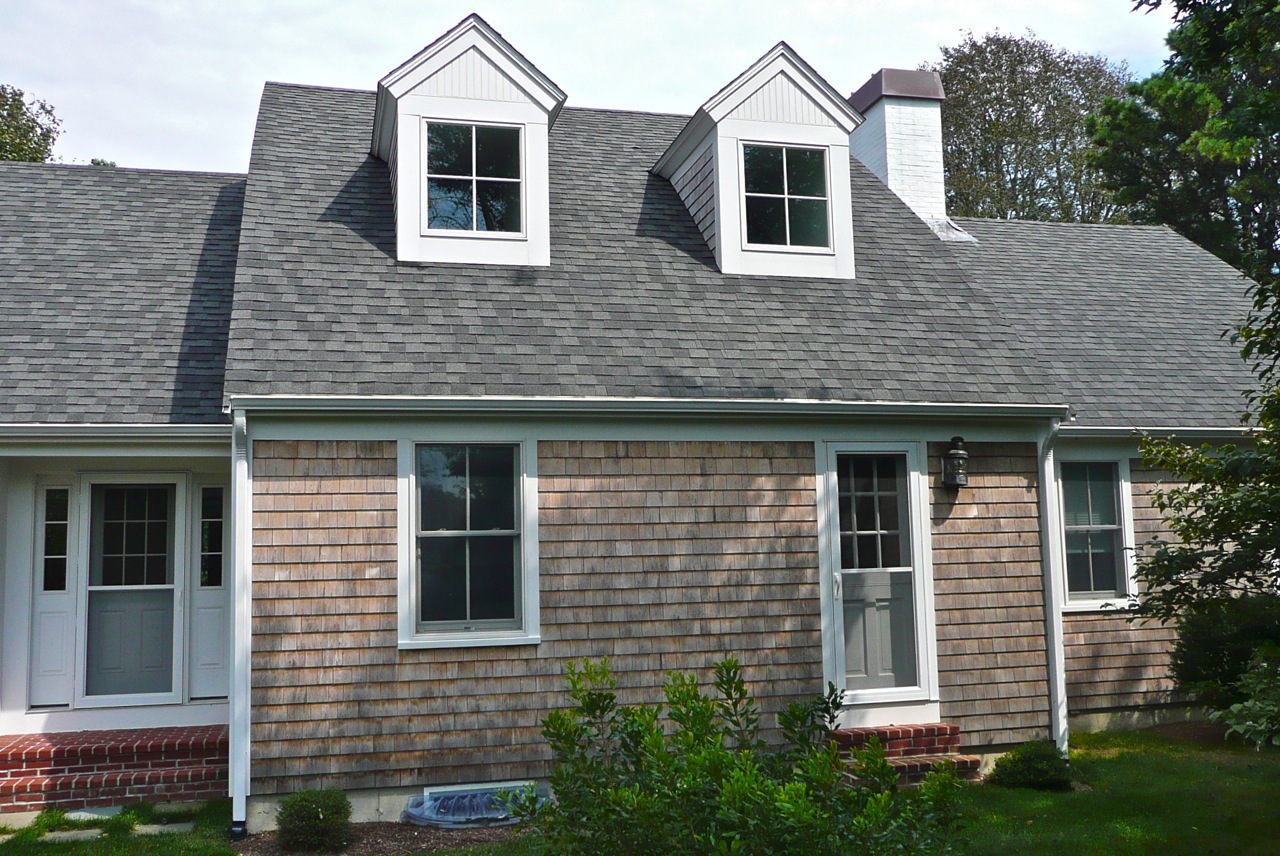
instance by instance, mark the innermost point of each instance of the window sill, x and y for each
(469, 639)
(1115, 604)
(784, 249)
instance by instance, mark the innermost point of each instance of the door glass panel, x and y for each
(56, 511)
(131, 593)
(878, 601)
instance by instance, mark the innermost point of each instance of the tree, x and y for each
(27, 127)
(1197, 145)
(1014, 127)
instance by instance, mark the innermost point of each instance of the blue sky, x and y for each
(175, 84)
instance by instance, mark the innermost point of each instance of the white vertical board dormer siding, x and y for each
(901, 143)
(778, 101)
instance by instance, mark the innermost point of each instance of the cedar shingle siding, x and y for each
(660, 555)
(1111, 663)
(989, 596)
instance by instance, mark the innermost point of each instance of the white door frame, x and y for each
(181, 562)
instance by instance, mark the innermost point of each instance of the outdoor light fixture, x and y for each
(955, 464)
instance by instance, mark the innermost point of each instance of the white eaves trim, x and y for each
(590, 405)
(1102, 432)
(85, 432)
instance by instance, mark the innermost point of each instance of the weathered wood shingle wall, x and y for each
(989, 597)
(1110, 662)
(660, 555)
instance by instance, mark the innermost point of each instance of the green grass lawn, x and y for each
(1147, 794)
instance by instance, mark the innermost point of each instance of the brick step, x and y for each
(929, 739)
(32, 793)
(912, 770)
(71, 770)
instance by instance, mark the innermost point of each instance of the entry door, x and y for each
(876, 590)
(132, 590)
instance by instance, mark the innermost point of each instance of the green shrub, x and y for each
(315, 820)
(1216, 640)
(1040, 765)
(1257, 718)
(704, 782)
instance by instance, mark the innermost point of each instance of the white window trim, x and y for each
(748, 247)
(181, 569)
(922, 566)
(410, 636)
(473, 234)
(1128, 576)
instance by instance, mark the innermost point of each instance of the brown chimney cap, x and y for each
(897, 83)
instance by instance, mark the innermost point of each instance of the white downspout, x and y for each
(241, 627)
(1054, 563)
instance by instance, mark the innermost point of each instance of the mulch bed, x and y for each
(388, 839)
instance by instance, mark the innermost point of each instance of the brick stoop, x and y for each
(914, 750)
(71, 770)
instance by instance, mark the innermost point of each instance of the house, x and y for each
(316, 476)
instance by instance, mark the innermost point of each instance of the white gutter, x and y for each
(605, 405)
(41, 431)
(1053, 561)
(241, 627)
(1102, 432)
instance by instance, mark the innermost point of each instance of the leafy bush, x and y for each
(1040, 765)
(315, 820)
(1216, 640)
(1257, 718)
(704, 782)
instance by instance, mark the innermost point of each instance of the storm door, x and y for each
(131, 596)
(875, 577)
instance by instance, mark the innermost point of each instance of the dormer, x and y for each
(463, 126)
(763, 168)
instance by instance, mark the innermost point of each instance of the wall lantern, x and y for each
(955, 464)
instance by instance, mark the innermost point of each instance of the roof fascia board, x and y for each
(685, 143)
(782, 58)
(19, 431)
(1103, 432)
(638, 406)
(474, 31)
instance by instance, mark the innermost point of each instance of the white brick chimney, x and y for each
(901, 141)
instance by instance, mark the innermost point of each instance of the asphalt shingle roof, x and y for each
(115, 293)
(1127, 322)
(632, 304)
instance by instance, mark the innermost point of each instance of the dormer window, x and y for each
(473, 178)
(763, 168)
(464, 129)
(786, 196)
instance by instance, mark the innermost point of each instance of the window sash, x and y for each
(468, 538)
(787, 198)
(1085, 567)
(476, 182)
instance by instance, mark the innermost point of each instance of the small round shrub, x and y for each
(1039, 765)
(314, 820)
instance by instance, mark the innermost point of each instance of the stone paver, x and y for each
(162, 828)
(72, 835)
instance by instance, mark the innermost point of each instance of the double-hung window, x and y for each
(473, 181)
(468, 539)
(1095, 531)
(785, 189)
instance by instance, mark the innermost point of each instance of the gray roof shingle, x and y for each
(1127, 322)
(115, 293)
(632, 304)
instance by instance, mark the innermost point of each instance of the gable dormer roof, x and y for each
(762, 93)
(454, 66)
